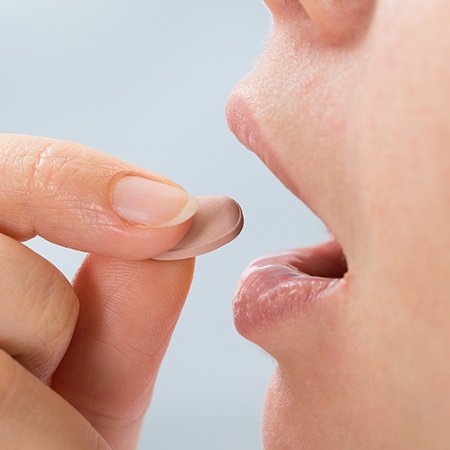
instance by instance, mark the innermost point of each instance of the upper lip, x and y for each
(244, 124)
(267, 288)
(247, 129)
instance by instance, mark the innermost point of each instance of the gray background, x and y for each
(147, 81)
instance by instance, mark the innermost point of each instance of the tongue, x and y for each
(325, 260)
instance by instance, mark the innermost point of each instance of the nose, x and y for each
(336, 20)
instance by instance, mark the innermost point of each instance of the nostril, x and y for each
(336, 21)
(285, 8)
(340, 20)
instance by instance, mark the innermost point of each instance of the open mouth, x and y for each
(280, 286)
(323, 261)
(285, 286)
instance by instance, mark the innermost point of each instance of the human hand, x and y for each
(79, 362)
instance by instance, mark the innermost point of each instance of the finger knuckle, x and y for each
(52, 307)
(43, 311)
(59, 312)
(47, 167)
(9, 376)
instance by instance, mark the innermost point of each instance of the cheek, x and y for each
(404, 136)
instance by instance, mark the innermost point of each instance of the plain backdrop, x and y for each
(147, 81)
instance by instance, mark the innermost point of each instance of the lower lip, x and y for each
(276, 288)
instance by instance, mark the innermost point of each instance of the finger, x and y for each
(80, 198)
(32, 416)
(128, 311)
(39, 309)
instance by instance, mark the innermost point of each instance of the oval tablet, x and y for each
(218, 221)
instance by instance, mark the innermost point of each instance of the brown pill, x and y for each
(218, 221)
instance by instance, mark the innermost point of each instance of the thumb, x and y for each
(81, 198)
(128, 310)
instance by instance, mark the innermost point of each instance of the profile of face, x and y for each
(349, 106)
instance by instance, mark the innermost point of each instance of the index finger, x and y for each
(81, 198)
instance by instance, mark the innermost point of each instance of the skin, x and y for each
(351, 103)
(79, 361)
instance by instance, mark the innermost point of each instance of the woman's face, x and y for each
(350, 107)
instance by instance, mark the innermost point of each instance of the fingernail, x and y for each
(149, 203)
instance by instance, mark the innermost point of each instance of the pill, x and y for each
(217, 222)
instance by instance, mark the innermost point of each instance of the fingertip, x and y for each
(81, 198)
(139, 243)
(134, 289)
(151, 203)
(128, 312)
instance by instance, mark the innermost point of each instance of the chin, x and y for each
(291, 422)
(285, 426)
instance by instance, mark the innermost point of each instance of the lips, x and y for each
(245, 127)
(279, 288)
(284, 286)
